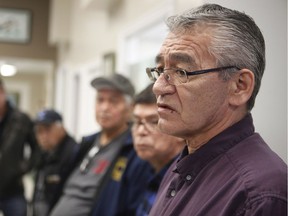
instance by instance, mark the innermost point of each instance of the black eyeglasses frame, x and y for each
(188, 73)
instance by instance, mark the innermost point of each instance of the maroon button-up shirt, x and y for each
(235, 173)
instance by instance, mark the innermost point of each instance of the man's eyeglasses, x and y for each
(178, 76)
(150, 125)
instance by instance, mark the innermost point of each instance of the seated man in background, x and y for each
(109, 178)
(58, 153)
(157, 148)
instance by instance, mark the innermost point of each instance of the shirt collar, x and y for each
(156, 179)
(192, 164)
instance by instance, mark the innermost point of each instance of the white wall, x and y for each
(95, 33)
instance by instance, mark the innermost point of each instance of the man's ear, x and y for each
(242, 86)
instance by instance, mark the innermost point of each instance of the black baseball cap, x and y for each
(115, 81)
(47, 116)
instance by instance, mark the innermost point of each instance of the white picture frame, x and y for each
(15, 25)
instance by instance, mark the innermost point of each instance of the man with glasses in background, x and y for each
(208, 73)
(157, 148)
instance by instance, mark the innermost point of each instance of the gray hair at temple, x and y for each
(236, 40)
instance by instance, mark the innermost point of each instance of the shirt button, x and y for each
(172, 193)
(188, 177)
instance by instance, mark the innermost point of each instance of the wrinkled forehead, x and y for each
(188, 48)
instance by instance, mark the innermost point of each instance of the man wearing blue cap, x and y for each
(58, 153)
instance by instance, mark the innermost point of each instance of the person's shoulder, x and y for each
(70, 140)
(128, 141)
(84, 145)
(89, 138)
(137, 164)
(69, 145)
(260, 169)
(255, 154)
(20, 118)
(18, 114)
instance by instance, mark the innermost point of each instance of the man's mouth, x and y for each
(165, 107)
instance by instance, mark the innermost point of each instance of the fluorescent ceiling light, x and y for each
(8, 70)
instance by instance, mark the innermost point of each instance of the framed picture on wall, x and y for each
(15, 25)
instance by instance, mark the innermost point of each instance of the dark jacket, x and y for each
(52, 173)
(121, 196)
(16, 134)
(119, 189)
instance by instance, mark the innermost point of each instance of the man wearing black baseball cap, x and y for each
(115, 81)
(59, 150)
(48, 116)
(110, 177)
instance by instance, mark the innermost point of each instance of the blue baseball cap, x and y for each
(47, 116)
